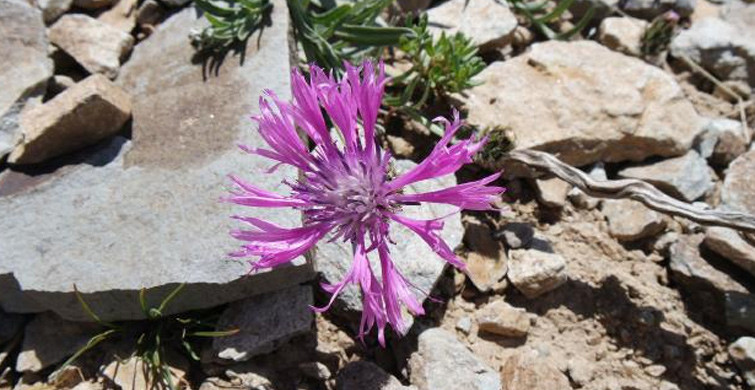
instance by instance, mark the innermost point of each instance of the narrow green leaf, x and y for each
(372, 35)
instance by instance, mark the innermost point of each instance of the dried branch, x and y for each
(632, 189)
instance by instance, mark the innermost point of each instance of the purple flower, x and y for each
(346, 192)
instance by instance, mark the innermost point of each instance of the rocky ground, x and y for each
(116, 138)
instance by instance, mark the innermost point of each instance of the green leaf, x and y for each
(170, 297)
(586, 18)
(89, 311)
(372, 35)
(217, 333)
(210, 7)
(561, 7)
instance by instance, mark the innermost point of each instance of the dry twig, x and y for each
(631, 189)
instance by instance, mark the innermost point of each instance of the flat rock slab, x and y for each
(584, 103)
(412, 256)
(24, 65)
(264, 322)
(145, 213)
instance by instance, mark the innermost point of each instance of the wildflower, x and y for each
(345, 191)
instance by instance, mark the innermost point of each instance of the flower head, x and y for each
(345, 191)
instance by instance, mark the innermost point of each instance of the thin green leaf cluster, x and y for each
(439, 67)
(231, 22)
(154, 336)
(347, 32)
(540, 17)
(659, 33)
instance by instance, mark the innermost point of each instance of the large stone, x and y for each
(85, 114)
(742, 352)
(687, 177)
(725, 49)
(411, 255)
(53, 9)
(623, 34)
(489, 24)
(48, 339)
(629, 220)
(442, 362)
(24, 65)
(145, 213)
(534, 272)
(364, 375)
(720, 299)
(264, 322)
(584, 103)
(738, 189)
(503, 319)
(731, 245)
(525, 370)
(95, 45)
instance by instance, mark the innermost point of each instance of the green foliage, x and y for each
(154, 336)
(438, 67)
(500, 141)
(658, 35)
(347, 32)
(540, 17)
(231, 22)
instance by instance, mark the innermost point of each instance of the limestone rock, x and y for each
(53, 9)
(629, 220)
(503, 319)
(97, 46)
(584, 103)
(729, 244)
(364, 375)
(489, 24)
(742, 352)
(516, 234)
(552, 192)
(24, 65)
(411, 255)
(121, 16)
(265, 322)
(88, 112)
(720, 298)
(442, 362)
(486, 263)
(166, 183)
(722, 140)
(687, 177)
(623, 34)
(723, 48)
(649, 9)
(48, 339)
(535, 272)
(738, 189)
(525, 371)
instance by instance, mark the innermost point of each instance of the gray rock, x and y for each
(442, 362)
(165, 182)
(48, 339)
(725, 49)
(552, 192)
(729, 244)
(742, 352)
(525, 370)
(623, 34)
(649, 9)
(411, 255)
(95, 45)
(24, 65)
(517, 235)
(736, 193)
(265, 322)
(629, 220)
(122, 15)
(85, 114)
(584, 111)
(464, 324)
(364, 375)
(503, 319)
(490, 24)
(722, 140)
(687, 177)
(53, 9)
(535, 272)
(720, 298)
